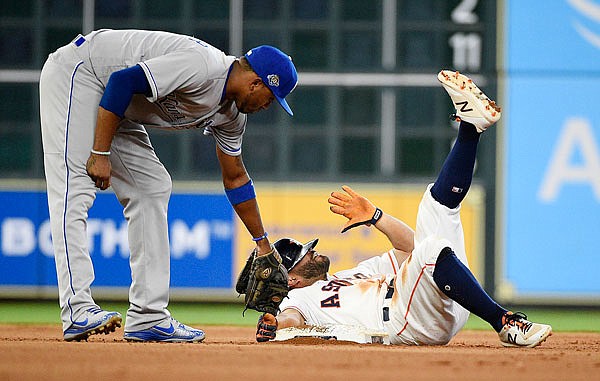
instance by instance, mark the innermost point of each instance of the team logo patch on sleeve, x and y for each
(273, 80)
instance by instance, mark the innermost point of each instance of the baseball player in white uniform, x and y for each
(421, 291)
(98, 94)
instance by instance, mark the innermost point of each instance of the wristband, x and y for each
(101, 153)
(376, 216)
(241, 194)
(261, 237)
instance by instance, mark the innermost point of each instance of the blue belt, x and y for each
(79, 40)
(388, 295)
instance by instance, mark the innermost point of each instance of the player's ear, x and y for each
(293, 282)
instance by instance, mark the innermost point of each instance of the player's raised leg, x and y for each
(476, 113)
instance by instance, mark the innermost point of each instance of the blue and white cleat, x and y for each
(93, 321)
(168, 331)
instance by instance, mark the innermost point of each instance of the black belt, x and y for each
(388, 295)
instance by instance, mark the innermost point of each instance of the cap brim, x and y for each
(285, 105)
(305, 249)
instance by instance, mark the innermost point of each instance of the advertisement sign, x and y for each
(200, 229)
(303, 213)
(552, 152)
(209, 244)
(548, 37)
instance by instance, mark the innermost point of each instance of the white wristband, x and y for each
(107, 153)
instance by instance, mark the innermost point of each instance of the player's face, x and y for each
(257, 97)
(311, 268)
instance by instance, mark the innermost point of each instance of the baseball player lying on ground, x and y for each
(421, 291)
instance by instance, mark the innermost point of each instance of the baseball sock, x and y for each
(454, 180)
(458, 283)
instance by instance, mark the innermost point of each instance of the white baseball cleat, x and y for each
(93, 321)
(520, 332)
(472, 105)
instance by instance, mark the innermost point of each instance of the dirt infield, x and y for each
(230, 353)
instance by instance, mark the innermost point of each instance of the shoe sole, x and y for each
(138, 340)
(463, 85)
(546, 334)
(110, 326)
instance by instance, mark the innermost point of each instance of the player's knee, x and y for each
(160, 186)
(444, 254)
(439, 275)
(167, 184)
(430, 249)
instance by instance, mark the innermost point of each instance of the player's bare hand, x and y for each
(351, 205)
(98, 168)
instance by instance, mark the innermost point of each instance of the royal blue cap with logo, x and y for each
(276, 70)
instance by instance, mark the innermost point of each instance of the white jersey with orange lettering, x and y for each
(335, 300)
(406, 304)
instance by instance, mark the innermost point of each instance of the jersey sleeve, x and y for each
(178, 70)
(298, 300)
(228, 136)
(385, 263)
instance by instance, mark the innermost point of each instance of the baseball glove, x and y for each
(242, 281)
(266, 327)
(267, 283)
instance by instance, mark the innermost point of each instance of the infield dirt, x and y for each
(230, 353)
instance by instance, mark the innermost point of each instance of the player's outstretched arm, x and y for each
(290, 318)
(268, 323)
(400, 234)
(235, 176)
(360, 211)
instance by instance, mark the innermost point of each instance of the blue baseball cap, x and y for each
(276, 70)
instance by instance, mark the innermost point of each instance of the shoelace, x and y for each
(519, 320)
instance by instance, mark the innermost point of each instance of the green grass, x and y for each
(47, 312)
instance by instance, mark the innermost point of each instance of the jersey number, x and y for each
(332, 301)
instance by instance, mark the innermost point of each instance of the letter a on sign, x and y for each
(577, 135)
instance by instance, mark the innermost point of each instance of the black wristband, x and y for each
(376, 216)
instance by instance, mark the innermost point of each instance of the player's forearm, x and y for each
(240, 192)
(290, 318)
(121, 87)
(106, 126)
(400, 234)
(249, 213)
